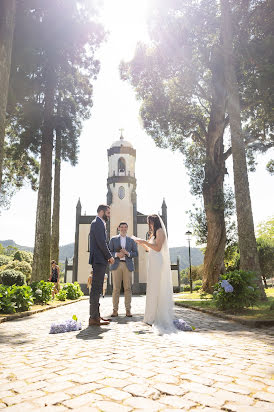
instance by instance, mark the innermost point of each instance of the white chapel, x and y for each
(122, 199)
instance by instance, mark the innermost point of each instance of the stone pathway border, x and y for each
(248, 322)
(19, 315)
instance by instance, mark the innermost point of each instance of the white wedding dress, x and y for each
(159, 293)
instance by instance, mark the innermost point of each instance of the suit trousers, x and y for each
(121, 274)
(99, 271)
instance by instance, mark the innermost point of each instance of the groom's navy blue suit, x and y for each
(98, 258)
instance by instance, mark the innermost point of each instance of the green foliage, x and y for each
(73, 290)
(184, 277)
(15, 298)
(232, 257)
(265, 230)
(42, 291)
(22, 255)
(197, 284)
(196, 273)
(11, 277)
(62, 295)
(10, 250)
(186, 288)
(4, 260)
(23, 267)
(270, 167)
(245, 292)
(266, 256)
(69, 50)
(198, 221)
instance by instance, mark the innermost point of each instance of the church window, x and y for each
(121, 192)
(122, 166)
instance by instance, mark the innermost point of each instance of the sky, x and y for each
(160, 173)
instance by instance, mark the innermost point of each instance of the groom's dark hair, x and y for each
(102, 207)
(123, 223)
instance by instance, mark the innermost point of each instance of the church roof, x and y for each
(121, 142)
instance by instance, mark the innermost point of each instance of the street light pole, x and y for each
(188, 234)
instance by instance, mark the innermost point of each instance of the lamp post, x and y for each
(188, 237)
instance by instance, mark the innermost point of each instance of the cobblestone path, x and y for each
(126, 367)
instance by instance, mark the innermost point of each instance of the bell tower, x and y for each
(121, 184)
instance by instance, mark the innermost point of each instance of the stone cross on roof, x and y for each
(121, 137)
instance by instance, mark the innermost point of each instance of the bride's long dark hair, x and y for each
(154, 224)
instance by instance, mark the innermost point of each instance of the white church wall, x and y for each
(69, 276)
(83, 255)
(143, 255)
(175, 277)
(121, 209)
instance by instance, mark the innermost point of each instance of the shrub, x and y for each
(266, 256)
(244, 291)
(15, 298)
(4, 260)
(73, 290)
(11, 277)
(42, 291)
(196, 273)
(197, 284)
(23, 256)
(186, 288)
(23, 267)
(62, 295)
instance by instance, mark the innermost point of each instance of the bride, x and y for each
(159, 293)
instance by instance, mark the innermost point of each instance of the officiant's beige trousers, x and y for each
(121, 274)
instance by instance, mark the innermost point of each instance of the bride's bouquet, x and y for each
(180, 324)
(66, 326)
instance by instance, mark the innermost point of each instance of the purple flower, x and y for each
(66, 326)
(227, 286)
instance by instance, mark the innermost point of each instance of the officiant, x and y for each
(123, 249)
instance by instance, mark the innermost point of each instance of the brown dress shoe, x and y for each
(97, 322)
(114, 314)
(128, 314)
(106, 319)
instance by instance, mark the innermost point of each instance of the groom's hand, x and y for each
(125, 252)
(120, 255)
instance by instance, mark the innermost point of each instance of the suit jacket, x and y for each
(131, 247)
(99, 251)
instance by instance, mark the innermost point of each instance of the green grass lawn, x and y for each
(261, 311)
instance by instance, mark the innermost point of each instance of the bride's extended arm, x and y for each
(157, 246)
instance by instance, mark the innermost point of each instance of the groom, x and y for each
(99, 257)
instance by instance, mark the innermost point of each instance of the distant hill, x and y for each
(67, 251)
(7, 243)
(197, 257)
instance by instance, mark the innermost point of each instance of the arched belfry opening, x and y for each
(121, 167)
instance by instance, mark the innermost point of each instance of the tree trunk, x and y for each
(214, 179)
(56, 199)
(41, 256)
(7, 23)
(249, 260)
